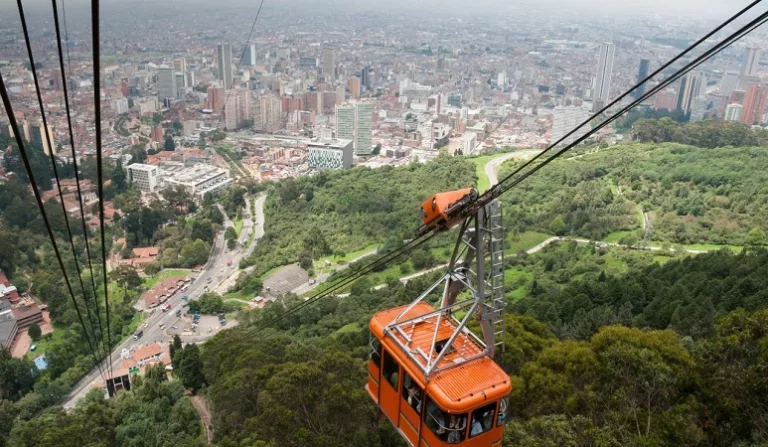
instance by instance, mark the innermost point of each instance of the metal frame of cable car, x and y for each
(477, 265)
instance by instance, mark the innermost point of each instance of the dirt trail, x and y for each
(205, 416)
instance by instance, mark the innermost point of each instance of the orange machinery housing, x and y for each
(463, 403)
(440, 209)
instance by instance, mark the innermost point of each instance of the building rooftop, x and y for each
(141, 167)
(330, 143)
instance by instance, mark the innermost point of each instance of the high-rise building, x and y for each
(269, 111)
(313, 102)
(467, 143)
(733, 112)
(501, 80)
(237, 111)
(329, 64)
(143, 177)
(690, 87)
(180, 64)
(699, 108)
(215, 100)
(166, 83)
(603, 76)
(642, 73)
(345, 122)
(120, 106)
(363, 128)
(454, 99)
(729, 83)
(307, 63)
(751, 62)
(365, 78)
(354, 87)
(754, 104)
(38, 138)
(157, 134)
(224, 64)
(249, 55)
(566, 119)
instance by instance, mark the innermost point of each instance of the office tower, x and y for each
(329, 64)
(454, 99)
(751, 62)
(120, 106)
(340, 95)
(501, 80)
(180, 64)
(345, 122)
(307, 63)
(215, 100)
(565, 119)
(754, 104)
(189, 79)
(365, 78)
(224, 65)
(642, 73)
(249, 56)
(690, 87)
(313, 102)
(363, 128)
(269, 111)
(354, 87)
(38, 138)
(237, 111)
(733, 112)
(603, 76)
(166, 83)
(698, 108)
(729, 83)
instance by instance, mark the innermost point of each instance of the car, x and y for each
(174, 327)
(209, 280)
(33, 347)
(162, 326)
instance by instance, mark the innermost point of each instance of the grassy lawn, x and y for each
(238, 304)
(513, 278)
(238, 226)
(43, 345)
(525, 240)
(482, 180)
(713, 247)
(239, 295)
(152, 280)
(138, 318)
(618, 235)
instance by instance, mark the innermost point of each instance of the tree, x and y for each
(152, 269)
(195, 253)
(119, 180)
(557, 226)
(756, 237)
(126, 277)
(16, 376)
(34, 332)
(169, 145)
(191, 368)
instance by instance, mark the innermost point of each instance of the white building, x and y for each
(120, 106)
(467, 143)
(733, 112)
(603, 76)
(345, 122)
(502, 80)
(199, 179)
(143, 177)
(330, 154)
(729, 83)
(566, 119)
(363, 128)
(148, 106)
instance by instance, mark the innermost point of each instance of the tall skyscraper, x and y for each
(238, 108)
(180, 64)
(733, 112)
(354, 87)
(690, 87)
(329, 64)
(249, 57)
(345, 122)
(565, 119)
(215, 100)
(603, 76)
(224, 64)
(166, 83)
(363, 126)
(642, 73)
(751, 62)
(729, 83)
(365, 78)
(38, 138)
(754, 104)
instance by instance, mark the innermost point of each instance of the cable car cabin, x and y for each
(443, 209)
(463, 402)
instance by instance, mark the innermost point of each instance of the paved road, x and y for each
(212, 274)
(304, 288)
(493, 165)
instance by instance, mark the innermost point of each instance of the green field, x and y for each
(238, 226)
(44, 344)
(525, 241)
(483, 183)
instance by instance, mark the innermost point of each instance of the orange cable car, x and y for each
(443, 210)
(433, 378)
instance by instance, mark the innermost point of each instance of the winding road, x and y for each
(212, 274)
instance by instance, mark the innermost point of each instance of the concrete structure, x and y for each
(270, 110)
(363, 128)
(329, 64)
(37, 137)
(330, 154)
(729, 83)
(690, 88)
(237, 110)
(166, 83)
(467, 143)
(733, 112)
(345, 122)
(751, 62)
(754, 104)
(603, 76)
(642, 73)
(698, 108)
(566, 119)
(224, 65)
(215, 98)
(249, 56)
(354, 87)
(198, 180)
(143, 177)
(8, 326)
(120, 106)
(147, 107)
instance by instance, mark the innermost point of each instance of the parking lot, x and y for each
(183, 326)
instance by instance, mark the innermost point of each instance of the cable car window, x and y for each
(390, 369)
(375, 351)
(412, 393)
(434, 204)
(482, 420)
(503, 407)
(450, 428)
